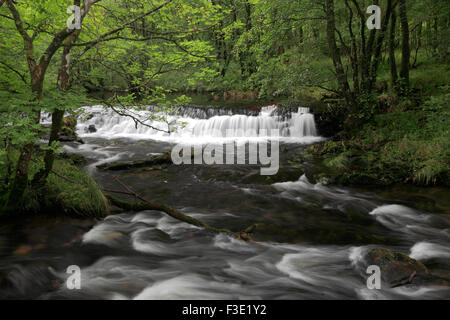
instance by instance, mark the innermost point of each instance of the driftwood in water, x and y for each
(161, 160)
(142, 206)
(149, 205)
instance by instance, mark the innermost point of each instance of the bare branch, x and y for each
(114, 31)
(136, 120)
(22, 77)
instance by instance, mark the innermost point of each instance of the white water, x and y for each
(167, 259)
(299, 128)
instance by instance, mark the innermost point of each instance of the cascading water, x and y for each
(301, 124)
(298, 127)
(311, 238)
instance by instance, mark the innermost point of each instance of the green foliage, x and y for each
(261, 48)
(338, 162)
(411, 147)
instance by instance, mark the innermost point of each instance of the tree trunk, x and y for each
(20, 182)
(37, 72)
(335, 54)
(406, 53)
(392, 62)
(379, 46)
(418, 43)
(301, 36)
(57, 115)
(443, 44)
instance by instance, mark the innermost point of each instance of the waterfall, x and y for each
(301, 124)
(200, 124)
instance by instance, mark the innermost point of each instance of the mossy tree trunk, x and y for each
(58, 114)
(37, 69)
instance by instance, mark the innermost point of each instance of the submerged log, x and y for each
(161, 160)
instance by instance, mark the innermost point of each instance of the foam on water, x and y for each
(412, 222)
(425, 250)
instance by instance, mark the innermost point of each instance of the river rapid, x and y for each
(310, 242)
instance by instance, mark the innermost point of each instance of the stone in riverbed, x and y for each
(68, 130)
(398, 269)
(92, 129)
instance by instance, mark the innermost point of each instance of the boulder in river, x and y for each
(92, 129)
(399, 269)
(68, 130)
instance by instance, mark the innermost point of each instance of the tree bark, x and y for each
(58, 114)
(379, 46)
(37, 73)
(406, 52)
(392, 62)
(335, 54)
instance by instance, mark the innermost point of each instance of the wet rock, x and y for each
(397, 268)
(158, 235)
(92, 129)
(159, 162)
(76, 159)
(68, 130)
(27, 281)
(70, 122)
(75, 138)
(283, 174)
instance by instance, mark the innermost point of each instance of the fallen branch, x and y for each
(149, 205)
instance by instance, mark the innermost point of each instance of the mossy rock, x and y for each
(70, 122)
(77, 194)
(68, 130)
(397, 268)
(74, 158)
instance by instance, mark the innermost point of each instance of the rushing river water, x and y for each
(310, 241)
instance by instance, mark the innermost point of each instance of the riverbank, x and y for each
(68, 191)
(405, 141)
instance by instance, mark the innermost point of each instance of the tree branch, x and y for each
(22, 77)
(135, 119)
(104, 36)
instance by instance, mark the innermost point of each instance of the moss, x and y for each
(338, 162)
(75, 194)
(70, 122)
(397, 268)
(73, 158)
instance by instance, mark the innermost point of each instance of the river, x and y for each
(309, 244)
